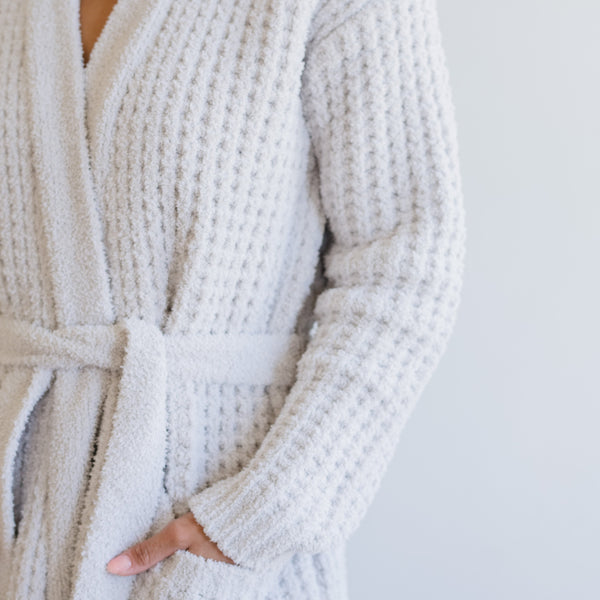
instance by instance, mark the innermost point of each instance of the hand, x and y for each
(183, 533)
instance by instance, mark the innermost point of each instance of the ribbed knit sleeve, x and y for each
(379, 110)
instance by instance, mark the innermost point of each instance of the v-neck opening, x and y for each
(99, 38)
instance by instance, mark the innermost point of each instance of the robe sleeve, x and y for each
(380, 115)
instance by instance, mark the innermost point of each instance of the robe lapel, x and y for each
(73, 111)
(74, 251)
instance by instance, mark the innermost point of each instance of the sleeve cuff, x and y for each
(237, 517)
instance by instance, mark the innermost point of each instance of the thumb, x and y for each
(144, 554)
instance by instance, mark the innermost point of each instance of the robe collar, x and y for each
(73, 111)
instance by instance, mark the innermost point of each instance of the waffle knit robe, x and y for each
(231, 257)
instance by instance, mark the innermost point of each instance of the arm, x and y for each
(379, 111)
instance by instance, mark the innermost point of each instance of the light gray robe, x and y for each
(178, 327)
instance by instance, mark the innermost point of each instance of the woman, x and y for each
(231, 251)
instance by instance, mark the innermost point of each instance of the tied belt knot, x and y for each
(133, 460)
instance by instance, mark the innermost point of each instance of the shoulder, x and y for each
(329, 14)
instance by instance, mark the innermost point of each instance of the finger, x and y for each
(146, 553)
(209, 551)
(200, 544)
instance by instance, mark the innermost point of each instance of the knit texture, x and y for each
(272, 189)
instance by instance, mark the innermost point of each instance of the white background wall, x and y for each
(494, 491)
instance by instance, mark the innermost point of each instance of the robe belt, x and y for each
(135, 452)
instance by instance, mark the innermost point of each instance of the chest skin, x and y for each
(93, 16)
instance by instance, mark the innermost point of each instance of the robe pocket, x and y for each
(186, 576)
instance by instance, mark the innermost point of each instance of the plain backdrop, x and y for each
(494, 490)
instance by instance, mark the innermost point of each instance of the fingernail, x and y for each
(119, 564)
